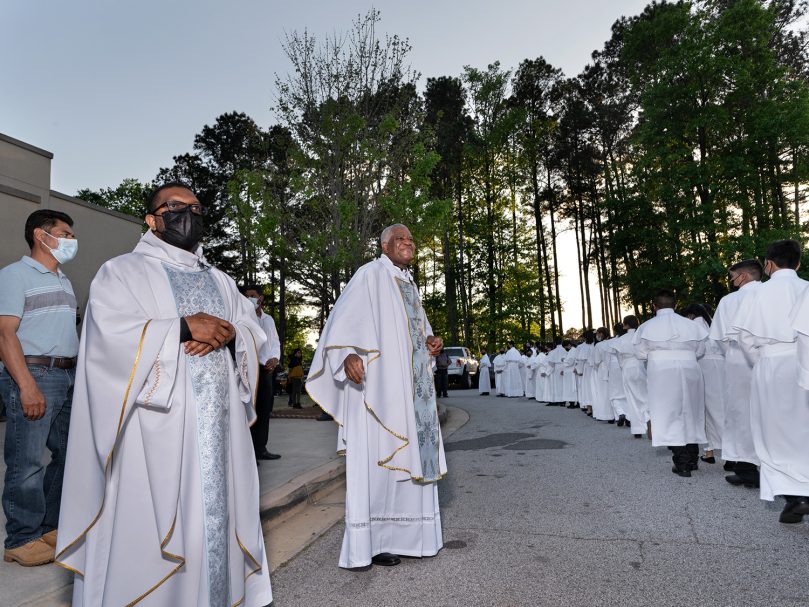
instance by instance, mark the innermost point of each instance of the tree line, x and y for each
(682, 147)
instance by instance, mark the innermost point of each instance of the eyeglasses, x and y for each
(175, 206)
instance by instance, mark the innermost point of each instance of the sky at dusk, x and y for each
(115, 89)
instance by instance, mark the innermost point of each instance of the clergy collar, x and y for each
(747, 284)
(404, 273)
(663, 311)
(784, 273)
(152, 246)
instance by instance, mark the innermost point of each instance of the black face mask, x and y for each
(182, 229)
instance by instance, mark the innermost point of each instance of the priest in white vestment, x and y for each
(671, 345)
(713, 376)
(499, 365)
(530, 373)
(541, 388)
(556, 359)
(600, 378)
(769, 323)
(582, 371)
(484, 381)
(372, 371)
(633, 374)
(160, 506)
(617, 393)
(569, 376)
(738, 449)
(512, 378)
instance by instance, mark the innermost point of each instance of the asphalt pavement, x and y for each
(544, 506)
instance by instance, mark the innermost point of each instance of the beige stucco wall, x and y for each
(25, 188)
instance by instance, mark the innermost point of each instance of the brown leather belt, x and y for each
(52, 361)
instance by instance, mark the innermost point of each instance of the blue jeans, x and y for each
(32, 492)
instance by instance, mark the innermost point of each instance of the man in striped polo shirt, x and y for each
(38, 345)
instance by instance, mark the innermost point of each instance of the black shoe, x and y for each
(267, 455)
(484, 394)
(612, 421)
(621, 420)
(386, 559)
(360, 569)
(693, 466)
(628, 423)
(638, 435)
(736, 480)
(795, 509)
(681, 471)
(708, 460)
(571, 406)
(729, 466)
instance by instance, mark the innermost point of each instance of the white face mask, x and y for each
(65, 250)
(254, 301)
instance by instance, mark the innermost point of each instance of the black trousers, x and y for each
(685, 455)
(265, 398)
(441, 381)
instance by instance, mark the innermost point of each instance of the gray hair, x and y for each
(386, 233)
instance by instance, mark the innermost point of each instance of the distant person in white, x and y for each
(373, 372)
(671, 345)
(738, 449)
(484, 381)
(512, 377)
(769, 323)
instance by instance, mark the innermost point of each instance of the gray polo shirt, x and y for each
(46, 306)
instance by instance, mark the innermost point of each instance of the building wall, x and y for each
(25, 174)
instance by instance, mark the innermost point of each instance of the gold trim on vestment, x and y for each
(252, 558)
(165, 554)
(112, 449)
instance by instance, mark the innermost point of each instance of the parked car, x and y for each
(463, 366)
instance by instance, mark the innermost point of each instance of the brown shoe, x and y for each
(34, 553)
(50, 538)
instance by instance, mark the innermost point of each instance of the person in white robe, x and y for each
(556, 359)
(738, 449)
(547, 385)
(512, 378)
(372, 371)
(633, 375)
(600, 378)
(617, 394)
(530, 373)
(713, 376)
(524, 368)
(769, 323)
(541, 376)
(161, 500)
(671, 345)
(499, 364)
(484, 380)
(582, 370)
(569, 377)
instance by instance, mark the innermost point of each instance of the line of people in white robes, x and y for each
(737, 382)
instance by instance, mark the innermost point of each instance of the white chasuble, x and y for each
(389, 427)
(556, 358)
(484, 381)
(713, 376)
(600, 381)
(583, 374)
(512, 378)
(737, 434)
(633, 375)
(671, 345)
(160, 500)
(769, 322)
(569, 377)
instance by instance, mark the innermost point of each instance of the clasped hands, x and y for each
(208, 333)
(355, 370)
